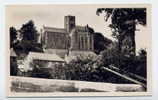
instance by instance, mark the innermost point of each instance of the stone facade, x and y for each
(70, 38)
(81, 39)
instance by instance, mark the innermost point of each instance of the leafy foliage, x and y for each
(100, 42)
(123, 25)
(141, 62)
(13, 36)
(13, 66)
(135, 65)
(81, 68)
(119, 15)
(29, 31)
(91, 68)
(27, 46)
(28, 41)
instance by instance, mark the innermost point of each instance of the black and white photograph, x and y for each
(78, 50)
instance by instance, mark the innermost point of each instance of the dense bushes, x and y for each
(136, 64)
(91, 68)
(81, 68)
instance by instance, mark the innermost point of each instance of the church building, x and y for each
(70, 40)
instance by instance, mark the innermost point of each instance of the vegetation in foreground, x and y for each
(90, 68)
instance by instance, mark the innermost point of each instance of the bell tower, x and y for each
(69, 23)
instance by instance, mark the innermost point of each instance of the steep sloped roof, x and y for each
(81, 28)
(52, 29)
(44, 56)
(84, 28)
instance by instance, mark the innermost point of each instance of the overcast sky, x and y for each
(53, 16)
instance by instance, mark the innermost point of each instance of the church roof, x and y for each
(45, 56)
(80, 28)
(84, 28)
(62, 30)
(52, 29)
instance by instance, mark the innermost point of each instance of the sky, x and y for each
(53, 16)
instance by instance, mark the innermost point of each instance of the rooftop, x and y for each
(45, 56)
(53, 29)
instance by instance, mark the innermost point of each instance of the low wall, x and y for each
(27, 84)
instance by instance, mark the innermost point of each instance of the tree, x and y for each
(100, 42)
(27, 46)
(142, 53)
(29, 31)
(123, 25)
(142, 63)
(81, 68)
(29, 42)
(13, 36)
(109, 57)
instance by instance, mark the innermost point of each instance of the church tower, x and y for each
(69, 23)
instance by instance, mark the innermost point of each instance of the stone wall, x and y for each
(82, 41)
(56, 40)
(26, 84)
